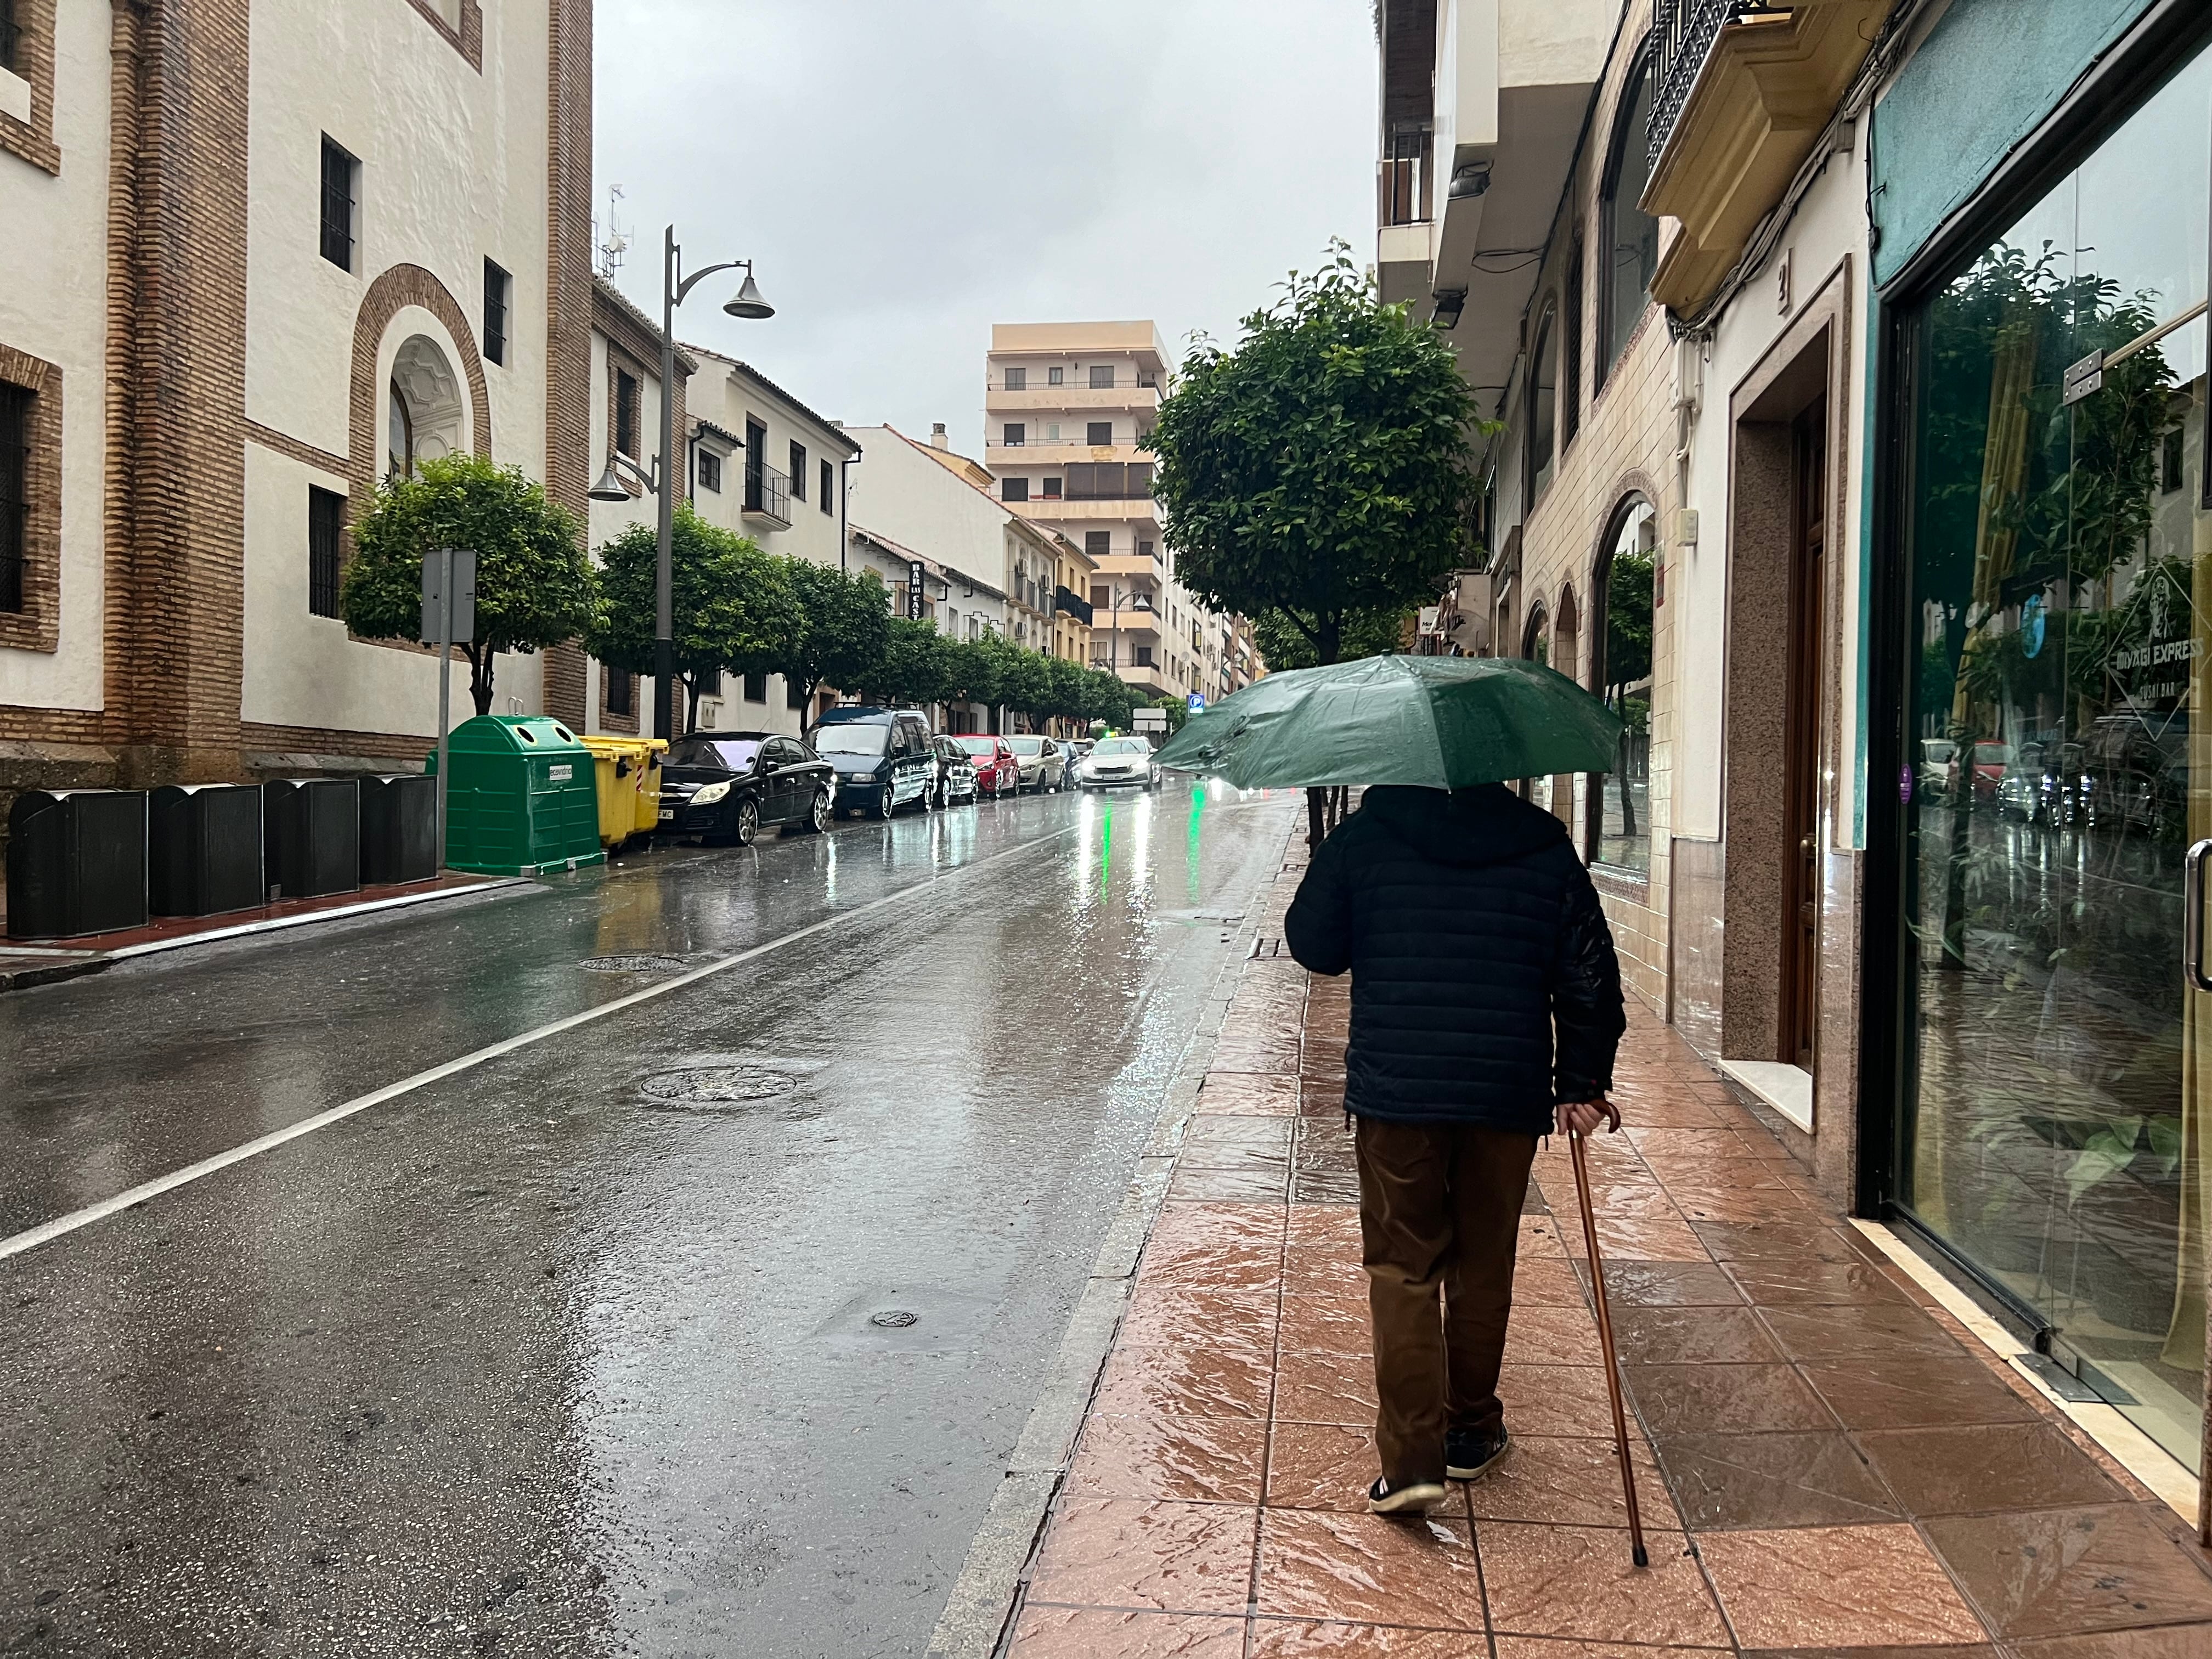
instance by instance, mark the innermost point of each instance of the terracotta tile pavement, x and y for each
(1826, 1471)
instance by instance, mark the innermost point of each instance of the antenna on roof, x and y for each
(617, 241)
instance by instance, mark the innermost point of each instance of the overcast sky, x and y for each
(906, 172)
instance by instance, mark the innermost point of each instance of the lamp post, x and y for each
(1137, 600)
(747, 304)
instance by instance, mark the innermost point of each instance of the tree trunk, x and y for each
(1329, 640)
(480, 672)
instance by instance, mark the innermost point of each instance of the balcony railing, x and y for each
(767, 492)
(1682, 36)
(1402, 180)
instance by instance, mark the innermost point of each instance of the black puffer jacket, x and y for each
(1472, 930)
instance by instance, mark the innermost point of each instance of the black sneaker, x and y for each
(1417, 1496)
(1469, 1452)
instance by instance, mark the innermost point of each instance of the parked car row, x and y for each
(727, 787)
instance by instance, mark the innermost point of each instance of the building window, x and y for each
(8, 35)
(325, 532)
(1144, 549)
(339, 195)
(1052, 489)
(1140, 656)
(710, 470)
(1619, 804)
(495, 315)
(1102, 598)
(1055, 376)
(1570, 414)
(1101, 377)
(400, 442)
(1098, 544)
(756, 687)
(794, 694)
(829, 491)
(14, 494)
(1543, 407)
(621, 691)
(1018, 380)
(1017, 433)
(1631, 236)
(1099, 433)
(1013, 490)
(626, 413)
(799, 472)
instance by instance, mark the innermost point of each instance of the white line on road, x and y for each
(45, 1232)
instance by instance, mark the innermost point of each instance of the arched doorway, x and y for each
(1618, 821)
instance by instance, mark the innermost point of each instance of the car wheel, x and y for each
(818, 815)
(885, 806)
(747, 825)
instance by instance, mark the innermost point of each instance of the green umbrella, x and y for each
(1439, 722)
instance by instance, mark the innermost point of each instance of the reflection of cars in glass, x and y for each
(1939, 759)
(726, 788)
(883, 758)
(1991, 759)
(1119, 762)
(997, 772)
(2137, 768)
(956, 772)
(1039, 760)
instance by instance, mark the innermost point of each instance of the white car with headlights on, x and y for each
(1119, 763)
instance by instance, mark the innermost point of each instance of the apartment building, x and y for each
(1067, 409)
(1850, 362)
(413, 252)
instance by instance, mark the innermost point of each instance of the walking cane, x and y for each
(1605, 1339)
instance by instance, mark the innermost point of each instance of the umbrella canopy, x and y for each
(1437, 722)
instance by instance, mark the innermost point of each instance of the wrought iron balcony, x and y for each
(767, 495)
(1682, 36)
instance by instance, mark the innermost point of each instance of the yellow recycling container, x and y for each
(628, 771)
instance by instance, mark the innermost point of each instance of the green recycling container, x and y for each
(522, 800)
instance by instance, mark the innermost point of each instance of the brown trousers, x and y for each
(1439, 1210)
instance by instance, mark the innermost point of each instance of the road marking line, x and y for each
(46, 1231)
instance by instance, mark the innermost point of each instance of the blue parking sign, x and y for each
(1196, 702)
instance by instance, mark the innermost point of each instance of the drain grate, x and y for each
(893, 1318)
(633, 964)
(714, 1085)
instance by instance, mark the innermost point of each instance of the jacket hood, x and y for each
(1488, 824)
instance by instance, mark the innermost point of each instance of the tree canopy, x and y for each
(1375, 633)
(846, 627)
(736, 608)
(535, 586)
(1322, 469)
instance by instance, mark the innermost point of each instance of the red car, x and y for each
(997, 770)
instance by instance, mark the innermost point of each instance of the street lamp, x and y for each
(1138, 600)
(748, 304)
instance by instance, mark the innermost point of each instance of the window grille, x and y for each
(494, 312)
(338, 205)
(14, 493)
(622, 690)
(710, 470)
(326, 535)
(9, 33)
(626, 412)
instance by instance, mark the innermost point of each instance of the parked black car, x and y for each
(726, 786)
(883, 758)
(956, 772)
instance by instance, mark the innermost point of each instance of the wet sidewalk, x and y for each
(1828, 1462)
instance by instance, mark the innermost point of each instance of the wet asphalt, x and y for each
(705, 1328)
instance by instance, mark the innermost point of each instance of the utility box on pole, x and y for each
(449, 618)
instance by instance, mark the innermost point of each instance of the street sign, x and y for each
(913, 574)
(1196, 702)
(434, 597)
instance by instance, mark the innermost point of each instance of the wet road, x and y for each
(600, 1345)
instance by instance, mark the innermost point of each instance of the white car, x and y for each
(1119, 761)
(1039, 759)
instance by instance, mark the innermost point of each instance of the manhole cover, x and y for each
(633, 964)
(893, 1318)
(709, 1086)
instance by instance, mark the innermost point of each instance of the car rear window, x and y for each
(735, 753)
(979, 745)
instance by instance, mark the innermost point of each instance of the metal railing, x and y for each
(768, 491)
(1682, 36)
(1401, 180)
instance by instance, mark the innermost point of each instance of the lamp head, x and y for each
(609, 487)
(749, 304)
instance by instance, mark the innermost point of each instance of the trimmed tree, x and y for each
(917, 666)
(735, 608)
(846, 630)
(1323, 471)
(1365, 634)
(535, 586)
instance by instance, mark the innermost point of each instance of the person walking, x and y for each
(1486, 1013)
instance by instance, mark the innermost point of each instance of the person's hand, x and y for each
(1581, 1117)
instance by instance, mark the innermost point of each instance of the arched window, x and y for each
(1628, 235)
(1543, 407)
(1571, 348)
(402, 438)
(1536, 646)
(1620, 826)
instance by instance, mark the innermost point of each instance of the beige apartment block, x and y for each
(1068, 408)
